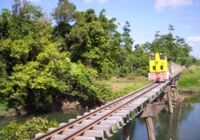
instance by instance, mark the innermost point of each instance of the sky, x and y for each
(145, 16)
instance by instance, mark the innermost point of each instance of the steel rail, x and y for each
(60, 129)
(89, 126)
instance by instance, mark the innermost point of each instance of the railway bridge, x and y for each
(102, 122)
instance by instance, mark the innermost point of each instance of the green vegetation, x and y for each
(189, 79)
(120, 86)
(175, 47)
(3, 106)
(42, 64)
(17, 131)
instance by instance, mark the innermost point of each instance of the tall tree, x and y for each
(94, 41)
(126, 56)
(175, 47)
(128, 41)
(64, 14)
(34, 72)
(5, 23)
(16, 6)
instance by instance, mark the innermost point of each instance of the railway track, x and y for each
(97, 121)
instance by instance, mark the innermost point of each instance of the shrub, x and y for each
(17, 131)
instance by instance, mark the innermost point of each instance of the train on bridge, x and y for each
(159, 69)
(103, 121)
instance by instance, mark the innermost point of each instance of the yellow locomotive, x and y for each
(158, 67)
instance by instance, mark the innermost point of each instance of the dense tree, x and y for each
(127, 40)
(140, 59)
(5, 21)
(38, 74)
(91, 41)
(37, 84)
(42, 64)
(64, 12)
(64, 15)
(126, 56)
(176, 48)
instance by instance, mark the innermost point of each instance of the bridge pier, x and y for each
(152, 110)
(168, 91)
(150, 128)
(174, 89)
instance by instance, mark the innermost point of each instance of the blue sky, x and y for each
(145, 16)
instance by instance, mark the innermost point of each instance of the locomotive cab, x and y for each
(158, 67)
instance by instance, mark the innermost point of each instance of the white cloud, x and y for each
(99, 1)
(161, 4)
(193, 39)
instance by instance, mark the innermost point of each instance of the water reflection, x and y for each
(183, 124)
(190, 127)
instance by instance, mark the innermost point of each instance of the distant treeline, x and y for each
(45, 61)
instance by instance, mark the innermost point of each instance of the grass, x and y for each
(122, 86)
(190, 79)
(3, 106)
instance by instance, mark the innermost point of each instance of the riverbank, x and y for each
(120, 86)
(117, 86)
(190, 80)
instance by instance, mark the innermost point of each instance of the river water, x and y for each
(183, 124)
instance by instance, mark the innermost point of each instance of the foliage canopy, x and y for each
(43, 64)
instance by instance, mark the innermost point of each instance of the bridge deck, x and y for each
(103, 121)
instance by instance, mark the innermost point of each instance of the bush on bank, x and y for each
(17, 131)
